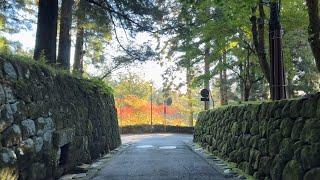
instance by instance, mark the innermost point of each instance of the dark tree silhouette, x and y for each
(46, 37)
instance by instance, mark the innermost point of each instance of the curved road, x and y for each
(157, 157)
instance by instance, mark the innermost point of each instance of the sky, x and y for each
(149, 71)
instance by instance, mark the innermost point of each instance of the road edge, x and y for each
(215, 162)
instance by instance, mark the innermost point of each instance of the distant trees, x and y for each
(223, 44)
(239, 63)
(13, 19)
(96, 22)
(132, 95)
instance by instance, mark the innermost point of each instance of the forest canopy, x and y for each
(239, 50)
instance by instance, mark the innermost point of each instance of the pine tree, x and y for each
(314, 29)
(65, 36)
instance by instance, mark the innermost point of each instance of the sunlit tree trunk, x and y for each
(79, 52)
(64, 36)
(225, 87)
(259, 39)
(46, 37)
(207, 73)
(248, 77)
(290, 91)
(241, 81)
(189, 95)
(223, 83)
(314, 29)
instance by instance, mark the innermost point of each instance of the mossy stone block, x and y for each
(263, 128)
(277, 167)
(286, 148)
(255, 128)
(310, 156)
(309, 108)
(286, 127)
(295, 108)
(311, 131)
(263, 146)
(292, 171)
(274, 143)
(265, 165)
(313, 174)
(297, 129)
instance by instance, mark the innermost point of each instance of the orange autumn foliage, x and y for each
(133, 110)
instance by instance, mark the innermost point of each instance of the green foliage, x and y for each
(13, 16)
(225, 27)
(133, 85)
(101, 85)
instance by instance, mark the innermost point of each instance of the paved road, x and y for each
(157, 157)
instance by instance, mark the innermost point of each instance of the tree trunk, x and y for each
(222, 102)
(223, 85)
(241, 81)
(207, 74)
(247, 83)
(247, 90)
(189, 95)
(46, 37)
(290, 90)
(79, 52)
(277, 81)
(65, 37)
(258, 39)
(314, 29)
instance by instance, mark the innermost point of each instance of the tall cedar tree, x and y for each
(314, 29)
(46, 37)
(258, 39)
(65, 37)
(79, 52)
(189, 95)
(207, 73)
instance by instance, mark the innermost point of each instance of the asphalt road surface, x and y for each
(157, 157)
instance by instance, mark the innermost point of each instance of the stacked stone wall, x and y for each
(272, 140)
(51, 122)
(145, 128)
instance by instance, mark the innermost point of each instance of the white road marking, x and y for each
(167, 147)
(144, 146)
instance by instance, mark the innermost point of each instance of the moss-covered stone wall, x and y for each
(272, 140)
(51, 122)
(145, 128)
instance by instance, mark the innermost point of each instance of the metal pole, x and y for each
(151, 108)
(206, 105)
(165, 116)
